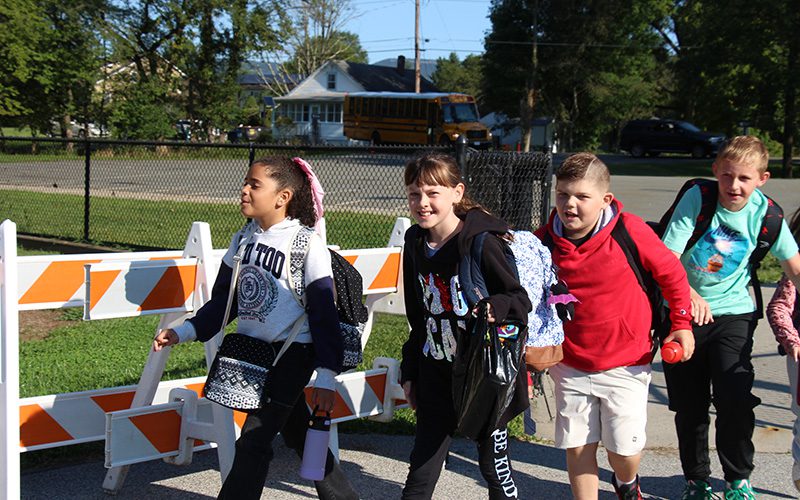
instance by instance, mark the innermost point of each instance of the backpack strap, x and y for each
(469, 272)
(623, 238)
(547, 240)
(297, 258)
(767, 235)
(645, 278)
(709, 192)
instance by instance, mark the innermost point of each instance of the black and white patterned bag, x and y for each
(238, 375)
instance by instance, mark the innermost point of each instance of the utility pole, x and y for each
(416, 46)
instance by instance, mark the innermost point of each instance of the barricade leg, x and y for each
(9, 363)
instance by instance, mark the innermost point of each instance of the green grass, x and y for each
(16, 132)
(770, 270)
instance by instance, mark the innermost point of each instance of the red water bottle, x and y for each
(671, 352)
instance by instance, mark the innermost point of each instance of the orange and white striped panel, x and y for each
(379, 268)
(55, 281)
(358, 395)
(79, 417)
(116, 290)
(143, 434)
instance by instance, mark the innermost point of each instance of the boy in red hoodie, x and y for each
(602, 384)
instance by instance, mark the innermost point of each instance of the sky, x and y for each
(386, 27)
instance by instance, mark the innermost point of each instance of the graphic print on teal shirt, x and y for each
(444, 304)
(719, 252)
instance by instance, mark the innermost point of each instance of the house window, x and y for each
(331, 81)
(334, 112)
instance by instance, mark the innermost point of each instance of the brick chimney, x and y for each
(401, 64)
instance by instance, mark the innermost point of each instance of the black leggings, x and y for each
(431, 444)
(721, 361)
(288, 414)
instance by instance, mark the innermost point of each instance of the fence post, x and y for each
(86, 185)
(461, 156)
(547, 183)
(252, 152)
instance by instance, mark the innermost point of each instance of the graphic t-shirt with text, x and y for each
(718, 264)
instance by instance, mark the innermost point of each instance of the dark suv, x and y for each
(641, 137)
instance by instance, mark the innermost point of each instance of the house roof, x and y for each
(383, 78)
(426, 66)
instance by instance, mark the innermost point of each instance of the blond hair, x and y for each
(746, 149)
(584, 166)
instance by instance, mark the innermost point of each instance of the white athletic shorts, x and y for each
(608, 406)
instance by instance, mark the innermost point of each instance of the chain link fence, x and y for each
(146, 194)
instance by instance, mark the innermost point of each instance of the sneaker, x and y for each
(698, 490)
(627, 491)
(739, 490)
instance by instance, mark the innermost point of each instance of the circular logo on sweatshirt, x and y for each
(258, 294)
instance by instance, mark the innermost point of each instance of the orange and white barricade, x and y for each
(156, 419)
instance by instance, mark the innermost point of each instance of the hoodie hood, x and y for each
(477, 221)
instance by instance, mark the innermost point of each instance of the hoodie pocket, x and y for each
(611, 338)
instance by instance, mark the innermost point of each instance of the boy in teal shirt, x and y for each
(718, 269)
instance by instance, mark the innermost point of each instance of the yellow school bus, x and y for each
(409, 118)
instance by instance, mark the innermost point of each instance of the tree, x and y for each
(313, 36)
(48, 57)
(145, 111)
(453, 75)
(739, 62)
(23, 27)
(184, 49)
(594, 64)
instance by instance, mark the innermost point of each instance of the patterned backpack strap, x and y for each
(297, 259)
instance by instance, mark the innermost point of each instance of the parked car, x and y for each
(651, 137)
(244, 133)
(79, 129)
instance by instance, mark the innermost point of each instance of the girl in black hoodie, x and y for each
(438, 313)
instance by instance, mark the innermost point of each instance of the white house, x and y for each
(320, 97)
(508, 133)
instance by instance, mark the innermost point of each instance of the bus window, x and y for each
(447, 113)
(392, 107)
(434, 113)
(459, 113)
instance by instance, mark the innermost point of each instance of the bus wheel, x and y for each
(445, 141)
(376, 138)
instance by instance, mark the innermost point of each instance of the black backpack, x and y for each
(709, 191)
(348, 291)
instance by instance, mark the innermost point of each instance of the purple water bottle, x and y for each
(315, 452)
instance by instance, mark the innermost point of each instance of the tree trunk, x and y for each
(528, 102)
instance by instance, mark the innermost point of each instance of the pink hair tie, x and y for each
(317, 192)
